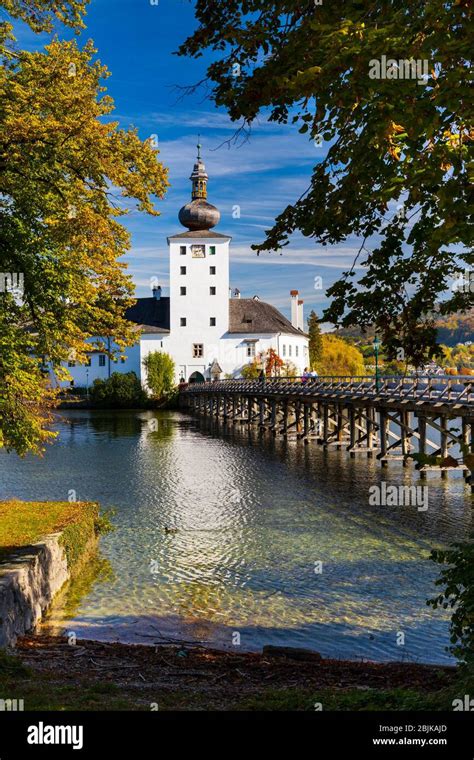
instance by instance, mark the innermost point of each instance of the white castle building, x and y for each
(208, 330)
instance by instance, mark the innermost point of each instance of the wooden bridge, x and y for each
(392, 418)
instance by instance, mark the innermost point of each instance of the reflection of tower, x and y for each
(199, 282)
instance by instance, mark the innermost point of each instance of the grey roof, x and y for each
(200, 234)
(249, 316)
(151, 314)
(246, 316)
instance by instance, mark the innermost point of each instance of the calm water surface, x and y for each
(218, 533)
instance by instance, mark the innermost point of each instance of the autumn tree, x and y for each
(68, 173)
(395, 172)
(315, 343)
(272, 362)
(339, 358)
(252, 370)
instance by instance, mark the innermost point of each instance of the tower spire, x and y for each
(199, 176)
(199, 214)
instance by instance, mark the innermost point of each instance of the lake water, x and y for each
(219, 532)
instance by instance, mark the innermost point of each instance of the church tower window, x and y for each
(212, 291)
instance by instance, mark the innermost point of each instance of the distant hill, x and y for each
(457, 328)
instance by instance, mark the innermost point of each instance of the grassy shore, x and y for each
(49, 674)
(25, 522)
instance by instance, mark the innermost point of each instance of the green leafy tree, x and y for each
(315, 342)
(160, 373)
(63, 168)
(457, 580)
(396, 169)
(252, 370)
(122, 390)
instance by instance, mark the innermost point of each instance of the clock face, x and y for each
(198, 251)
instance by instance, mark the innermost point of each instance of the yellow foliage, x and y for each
(65, 178)
(340, 357)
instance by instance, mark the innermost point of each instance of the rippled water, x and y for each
(218, 533)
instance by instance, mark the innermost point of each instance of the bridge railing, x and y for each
(450, 388)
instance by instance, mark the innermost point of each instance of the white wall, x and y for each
(231, 350)
(84, 376)
(198, 305)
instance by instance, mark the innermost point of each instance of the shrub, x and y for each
(251, 371)
(119, 391)
(160, 374)
(457, 577)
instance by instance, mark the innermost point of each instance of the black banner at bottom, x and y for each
(384, 734)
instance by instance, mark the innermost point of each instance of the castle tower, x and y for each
(199, 283)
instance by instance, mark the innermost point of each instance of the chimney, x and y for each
(300, 315)
(157, 292)
(294, 308)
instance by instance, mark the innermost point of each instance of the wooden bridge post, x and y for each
(352, 430)
(273, 416)
(370, 427)
(325, 424)
(339, 425)
(298, 418)
(404, 436)
(261, 412)
(444, 440)
(306, 419)
(422, 441)
(285, 418)
(383, 435)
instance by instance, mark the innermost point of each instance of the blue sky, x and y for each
(136, 41)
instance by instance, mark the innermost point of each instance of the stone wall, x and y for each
(29, 580)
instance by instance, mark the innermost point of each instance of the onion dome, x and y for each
(199, 214)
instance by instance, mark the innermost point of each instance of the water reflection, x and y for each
(219, 529)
